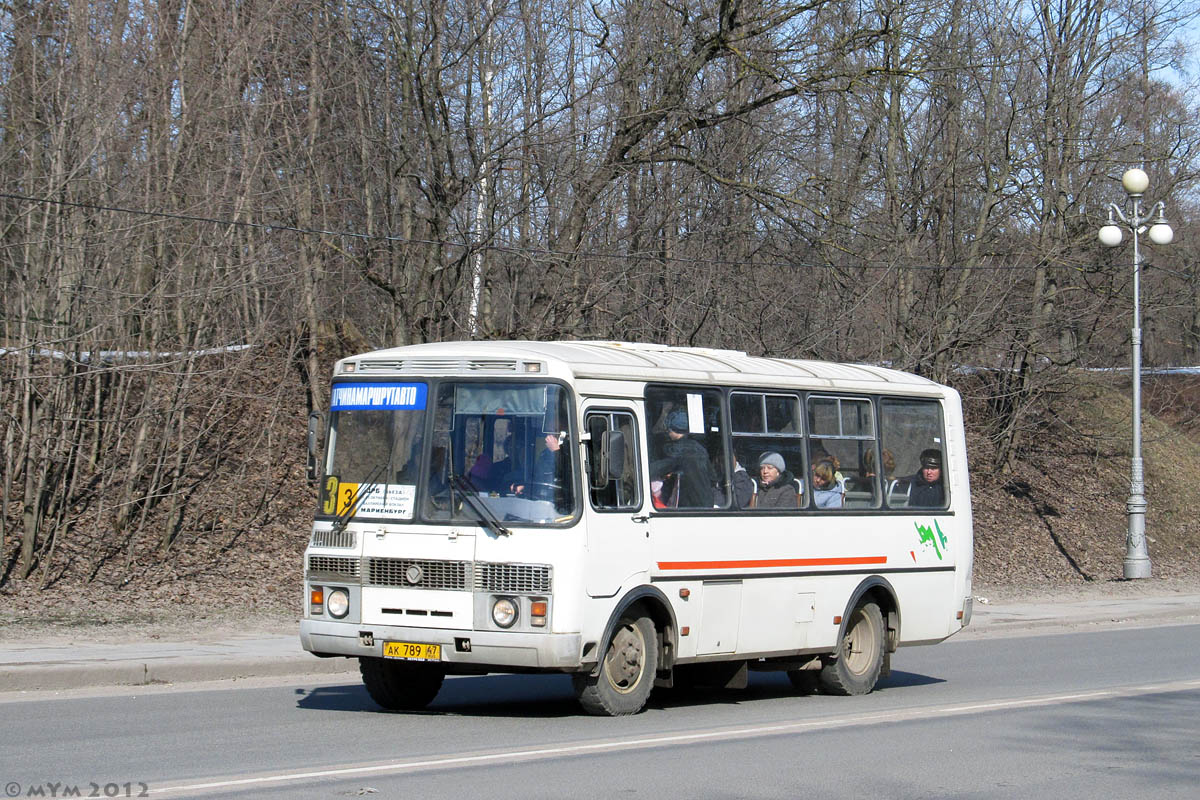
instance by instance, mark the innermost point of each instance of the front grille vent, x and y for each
(333, 538)
(339, 566)
(452, 575)
(512, 578)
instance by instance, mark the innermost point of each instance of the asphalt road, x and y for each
(1111, 713)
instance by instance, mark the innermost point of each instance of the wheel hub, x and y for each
(624, 662)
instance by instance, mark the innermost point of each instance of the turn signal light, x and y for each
(537, 613)
(317, 600)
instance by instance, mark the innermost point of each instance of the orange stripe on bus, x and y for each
(774, 562)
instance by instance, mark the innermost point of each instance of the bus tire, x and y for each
(625, 676)
(854, 667)
(400, 685)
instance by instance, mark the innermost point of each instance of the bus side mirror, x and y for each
(314, 425)
(610, 465)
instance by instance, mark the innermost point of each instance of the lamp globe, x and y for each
(1110, 236)
(1135, 181)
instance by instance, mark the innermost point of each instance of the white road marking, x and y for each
(661, 740)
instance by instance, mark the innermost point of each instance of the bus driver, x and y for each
(925, 488)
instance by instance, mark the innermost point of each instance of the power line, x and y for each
(527, 251)
(263, 226)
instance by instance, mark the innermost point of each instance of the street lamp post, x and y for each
(1135, 182)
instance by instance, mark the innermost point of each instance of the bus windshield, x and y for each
(505, 444)
(375, 437)
(499, 453)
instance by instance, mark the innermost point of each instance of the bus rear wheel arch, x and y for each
(855, 666)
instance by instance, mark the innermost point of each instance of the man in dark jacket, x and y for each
(925, 488)
(687, 461)
(547, 472)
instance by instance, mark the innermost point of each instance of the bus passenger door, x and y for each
(617, 531)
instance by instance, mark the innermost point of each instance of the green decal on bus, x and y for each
(932, 536)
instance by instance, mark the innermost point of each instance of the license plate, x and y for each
(412, 651)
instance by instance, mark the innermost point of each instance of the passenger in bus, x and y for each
(870, 472)
(828, 492)
(686, 461)
(820, 454)
(493, 475)
(925, 488)
(743, 485)
(481, 471)
(776, 486)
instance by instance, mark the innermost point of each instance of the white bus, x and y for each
(634, 515)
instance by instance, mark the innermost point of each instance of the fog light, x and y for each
(504, 612)
(338, 603)
(317, 600)
(537, 613)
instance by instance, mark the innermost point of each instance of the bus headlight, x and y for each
(338, 603)
(504, 612)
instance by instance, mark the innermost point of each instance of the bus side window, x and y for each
(842, 437)
(688, 461)
(613, 477)
(767, 426)
(913, 440)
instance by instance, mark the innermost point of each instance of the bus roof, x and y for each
(623, 361)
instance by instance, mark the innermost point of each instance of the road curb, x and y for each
(43, 677)
(1046, 617)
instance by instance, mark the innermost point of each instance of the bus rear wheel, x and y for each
(400, 685)
(626, 675)
(855, 666)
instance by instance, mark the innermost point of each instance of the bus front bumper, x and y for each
(494, 650)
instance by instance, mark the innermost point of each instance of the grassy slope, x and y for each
(1059, 517)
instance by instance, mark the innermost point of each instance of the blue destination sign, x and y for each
(354, 396)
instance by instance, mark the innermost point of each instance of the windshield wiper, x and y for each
(482, 511)
(356, 499)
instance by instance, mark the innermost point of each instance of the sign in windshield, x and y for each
(361, 396)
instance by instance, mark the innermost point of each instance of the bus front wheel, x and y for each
(400, 685)
(855, 666)
(626, 675)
